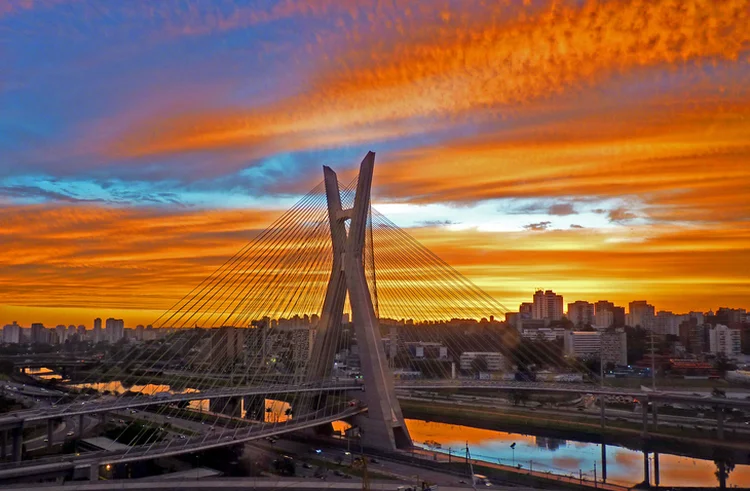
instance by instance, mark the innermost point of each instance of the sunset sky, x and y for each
(600, 149)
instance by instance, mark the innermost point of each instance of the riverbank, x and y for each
(570, 427)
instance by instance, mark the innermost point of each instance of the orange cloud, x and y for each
(79, 262)
(647, 261)
(481, 61)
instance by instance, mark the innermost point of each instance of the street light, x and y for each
(513, 447)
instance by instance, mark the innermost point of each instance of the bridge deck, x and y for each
(171, 448)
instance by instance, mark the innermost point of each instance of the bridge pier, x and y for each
(50, 432)
(720, 423)
(646, 469)
(604, 462)
(656, 469)
(602, 410)
(255, 408)
(644, 406)
(16, 452)
(230, 406)
(81, 422)
(655, 414)
(94, 472)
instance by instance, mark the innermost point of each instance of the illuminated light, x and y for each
(108, 467)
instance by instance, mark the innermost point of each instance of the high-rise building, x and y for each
(581, 313)
(547, 305)
(724, 340)
(393, 343)
(115, 329)
(607, 314)
(39, 334)
(698, 338)
(227, 346)
(61, 333)
(81, 331)
(526, 310)
(139, 332)
(96, 335)
(12, 333)
(641, 313)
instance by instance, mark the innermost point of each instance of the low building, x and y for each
(495, 361)
(609, 346)
(546, 333)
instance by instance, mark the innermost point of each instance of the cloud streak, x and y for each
(447, 71)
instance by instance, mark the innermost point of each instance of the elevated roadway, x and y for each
(94, 405)
(87, 465)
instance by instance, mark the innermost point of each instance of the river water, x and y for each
(567, 457)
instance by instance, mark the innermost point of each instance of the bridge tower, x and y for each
(383, 426)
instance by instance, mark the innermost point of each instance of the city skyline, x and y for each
(142, 146)
(132, 324)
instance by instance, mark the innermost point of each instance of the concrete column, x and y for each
(646, 470)
(50, 432)
(602, 410)
(17, 443)
(81, 421)
(604, 463)
(654, 413)
(720, 423)
(102, 418)
(226, 405)
(644, 405)
(94, 472)
(656, 469)
(4, 444)
(255, 408)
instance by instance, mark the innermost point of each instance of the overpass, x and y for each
(87, 465)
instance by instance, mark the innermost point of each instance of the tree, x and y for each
(479, 364)
(723, 469)
(722, 364)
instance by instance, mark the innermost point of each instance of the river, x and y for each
(567, 457)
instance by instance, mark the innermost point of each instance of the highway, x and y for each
(95, 405)
(170, 448)
(590, 411)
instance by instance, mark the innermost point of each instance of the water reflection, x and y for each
(275, 411)
(42, 373)
(567, 457)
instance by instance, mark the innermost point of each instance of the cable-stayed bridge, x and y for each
(267, 340)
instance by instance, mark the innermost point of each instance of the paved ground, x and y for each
(333, 455)
(232, 484)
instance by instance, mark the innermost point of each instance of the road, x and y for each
(334, 454)
(240, 484)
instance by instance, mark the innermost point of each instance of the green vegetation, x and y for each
(133, 434)
(7, 405)
(572, 425)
